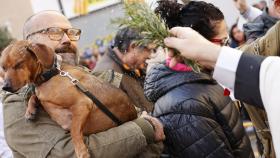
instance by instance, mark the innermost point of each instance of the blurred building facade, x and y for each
(13, 13)
(95, 24)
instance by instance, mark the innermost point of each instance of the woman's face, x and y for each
(238, 35)
(221, 37)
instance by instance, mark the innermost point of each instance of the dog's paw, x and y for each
(84, 155)
(30, 113)
(29, 116)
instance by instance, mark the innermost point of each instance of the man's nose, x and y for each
(65, 39)
(7, 86)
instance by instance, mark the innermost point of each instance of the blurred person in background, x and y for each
(237, 40)
(247, 13)
(261, 5)
(237, 36)
(101, 47)
(260, 25)
(128, 59)
(89, 59)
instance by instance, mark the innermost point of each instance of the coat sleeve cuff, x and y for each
(247, 85)
(226, 66)
(147, 129)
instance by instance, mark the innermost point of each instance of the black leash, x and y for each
(101, 106)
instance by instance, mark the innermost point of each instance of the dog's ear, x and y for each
(44, 54)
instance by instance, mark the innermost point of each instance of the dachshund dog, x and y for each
(25, 63)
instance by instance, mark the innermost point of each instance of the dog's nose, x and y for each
(7, 86)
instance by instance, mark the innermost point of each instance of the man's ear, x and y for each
(44, 54)
(118, 53)
(132, 45)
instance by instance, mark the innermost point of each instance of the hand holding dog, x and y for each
(158, 127)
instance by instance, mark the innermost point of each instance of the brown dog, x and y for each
(24, 63)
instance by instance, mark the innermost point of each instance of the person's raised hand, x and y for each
(241, 5)
(193, 46)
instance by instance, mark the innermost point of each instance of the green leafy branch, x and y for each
(152, 28)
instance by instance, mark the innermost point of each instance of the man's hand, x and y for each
(241, 5)
(159, 134)
(193, 46)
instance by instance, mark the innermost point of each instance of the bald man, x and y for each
(44, 137)
(48, 27)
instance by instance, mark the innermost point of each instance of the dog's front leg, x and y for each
(31, 107)
(80, 115)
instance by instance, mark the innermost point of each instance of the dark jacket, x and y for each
(130, 84)
(198, 120)
(259, 26)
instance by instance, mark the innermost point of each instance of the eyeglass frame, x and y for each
(45, 31)
(223, 42)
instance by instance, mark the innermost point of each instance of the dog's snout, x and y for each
(7, 86)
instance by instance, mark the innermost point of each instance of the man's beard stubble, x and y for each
(69, 54)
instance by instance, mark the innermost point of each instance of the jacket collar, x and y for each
(160, 80)
(135, 73)
(49, 73)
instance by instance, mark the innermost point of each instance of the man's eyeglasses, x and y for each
(222, 42)
(56, 33)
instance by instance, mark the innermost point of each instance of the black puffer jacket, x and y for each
(198, 120)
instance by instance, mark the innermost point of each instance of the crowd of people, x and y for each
(93, 53)
(182, 113)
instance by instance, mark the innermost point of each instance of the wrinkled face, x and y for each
(136, 57)
(66, 46)
(17, 64)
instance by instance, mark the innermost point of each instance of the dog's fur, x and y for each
(23, 63)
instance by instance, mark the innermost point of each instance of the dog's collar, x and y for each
(57, 62)
(54, 70)
(135, 73)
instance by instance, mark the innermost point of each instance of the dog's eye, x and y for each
(3, 68)
(18, 65)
